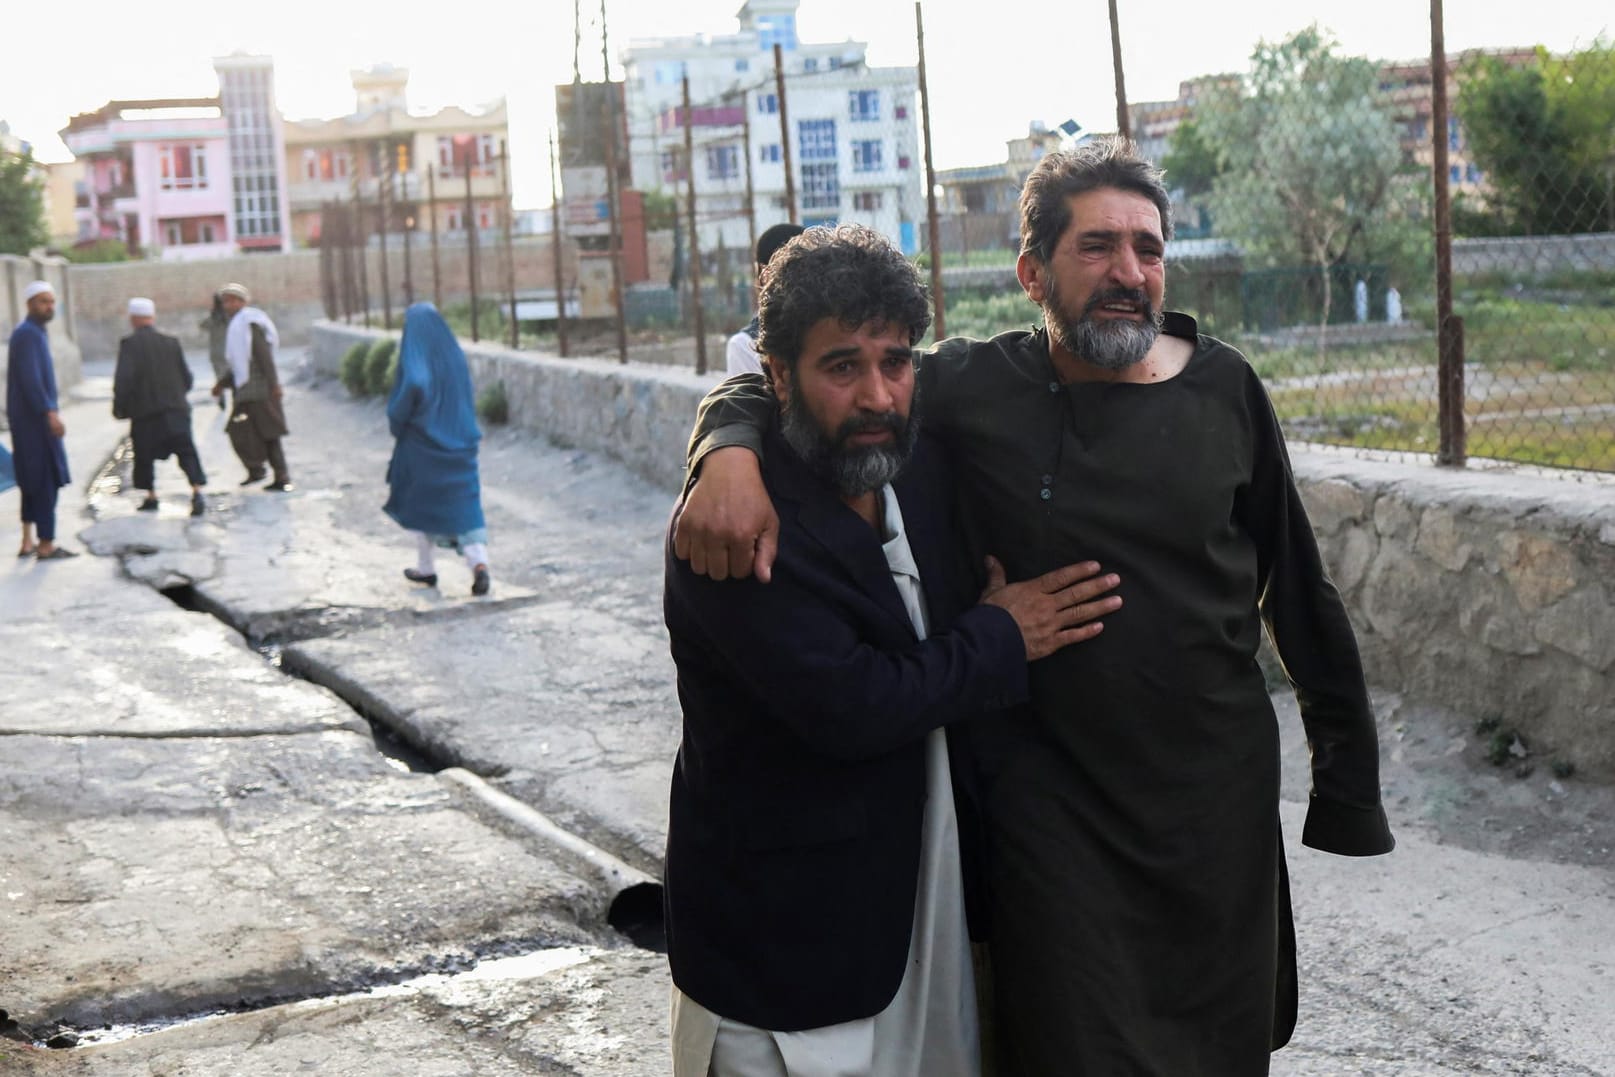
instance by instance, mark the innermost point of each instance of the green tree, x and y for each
(22, 205)
(1309, 166)
(661, 209)
(1192, 163)
(1543, 133)
(1192, 166)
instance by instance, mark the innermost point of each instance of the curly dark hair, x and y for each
(1104, 162)
(850, 273)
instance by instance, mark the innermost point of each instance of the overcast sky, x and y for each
(993, 66)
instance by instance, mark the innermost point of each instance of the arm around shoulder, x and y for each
(793, 650)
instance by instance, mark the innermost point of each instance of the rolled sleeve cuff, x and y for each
(722, 438)
(1346, 829)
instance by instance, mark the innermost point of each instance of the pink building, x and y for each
(157, 176)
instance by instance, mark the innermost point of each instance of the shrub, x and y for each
(100, 250)
(353, 369)
(381, 367)
(493, 405)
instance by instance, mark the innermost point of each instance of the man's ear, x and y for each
(1029, 270)
(779, 378)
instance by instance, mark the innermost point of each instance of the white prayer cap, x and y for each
(237, 290)
(141, 307)
(38, 287)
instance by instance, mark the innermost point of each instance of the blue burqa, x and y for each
(433, 473)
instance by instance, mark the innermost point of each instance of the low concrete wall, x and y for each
(287, 285)
(1487, 591)
(635, 413)
(1534, 256)
(16, 273)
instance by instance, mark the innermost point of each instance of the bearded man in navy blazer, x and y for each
(815, 888)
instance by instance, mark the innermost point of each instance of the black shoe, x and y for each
(60, 553)
(198, 506)
(280, 486)
(428, 578)
(148, 505)
(480, 582)
(255, 475)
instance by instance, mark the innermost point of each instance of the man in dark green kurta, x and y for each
(1141, 914)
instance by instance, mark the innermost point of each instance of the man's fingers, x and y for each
(767, 548)
(1079, 634)
(717, 559)
(681, 539)
(1087, 590)
(1089, 611)
(995, 573)
(1050, 582)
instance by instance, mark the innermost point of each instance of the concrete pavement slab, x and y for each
(566, 708)
(1437, 960)
(159, 673)
(569, 1011)
(155, 878)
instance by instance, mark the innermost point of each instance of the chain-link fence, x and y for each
(1310, 183)
(1307, 190)
(443, 232)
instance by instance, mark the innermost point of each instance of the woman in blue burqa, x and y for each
(433, 474)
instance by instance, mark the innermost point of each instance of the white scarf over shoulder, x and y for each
(238, 341)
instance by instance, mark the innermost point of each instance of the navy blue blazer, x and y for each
(793, 841)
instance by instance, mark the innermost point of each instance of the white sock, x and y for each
(424, 563)
(476, 553)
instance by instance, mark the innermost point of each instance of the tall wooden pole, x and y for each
(695, 235)
(555, 247)
(784, 133)
(937, 298)
(613, 195)
(383, 211)
(751, 192)
(1452, 451)
(470, 233)
(1124, 126)
(510, 245)
(431, 205)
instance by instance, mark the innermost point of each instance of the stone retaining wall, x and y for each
(287, 285)
(16, 273)
(1487, 590)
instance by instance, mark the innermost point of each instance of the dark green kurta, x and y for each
(1141, 910)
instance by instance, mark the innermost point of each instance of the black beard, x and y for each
(44, 317)
(852, 472)
(1113, 345)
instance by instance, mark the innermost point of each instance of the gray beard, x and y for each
(851, 472)
(1107, 345)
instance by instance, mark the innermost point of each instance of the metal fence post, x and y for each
(1449, 328)
(937, 297)
(510, 246)
(785, 133)
(695, 237)
(383, 211)
(431, 207)
(555, 248)
(613, 194)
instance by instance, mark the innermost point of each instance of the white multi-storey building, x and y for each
(853, 130)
